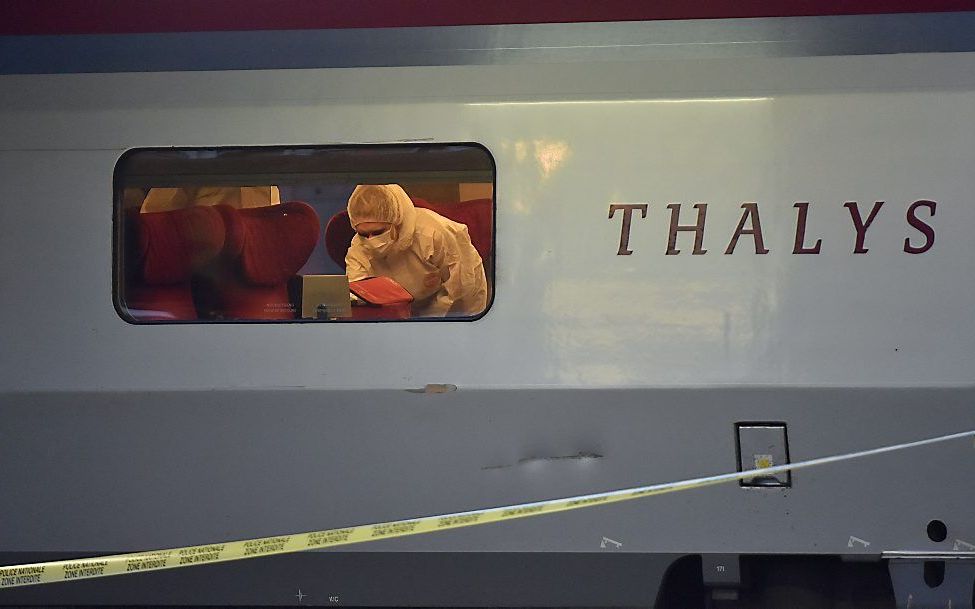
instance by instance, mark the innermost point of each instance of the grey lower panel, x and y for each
(131, 471)
(493, 44)
(394, 579)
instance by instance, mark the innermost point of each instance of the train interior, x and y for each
(240, 234)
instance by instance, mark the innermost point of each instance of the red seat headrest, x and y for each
(171, 245)
(271, 243)
(477, 214)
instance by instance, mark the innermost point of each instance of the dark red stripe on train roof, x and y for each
(31, 17)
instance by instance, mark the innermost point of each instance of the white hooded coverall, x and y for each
(429, 255)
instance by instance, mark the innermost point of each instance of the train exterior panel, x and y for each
(681, 244)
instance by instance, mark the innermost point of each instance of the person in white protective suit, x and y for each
(429, 255)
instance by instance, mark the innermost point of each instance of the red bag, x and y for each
(380, 291)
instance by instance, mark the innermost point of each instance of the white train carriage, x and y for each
(711, 246)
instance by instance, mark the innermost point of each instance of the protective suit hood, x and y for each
(384, 203)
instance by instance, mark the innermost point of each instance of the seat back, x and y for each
(164, 250)
(477, 214)
(338, 237)
(265, 247)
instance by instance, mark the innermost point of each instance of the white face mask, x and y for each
(379, 245)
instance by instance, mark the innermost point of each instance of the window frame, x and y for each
(119, 181)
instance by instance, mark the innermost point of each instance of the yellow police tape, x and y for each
(139, 562)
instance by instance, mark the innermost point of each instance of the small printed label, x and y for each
(264, 546)
(200, 554)
(394, 528)
(19, 576)
(155, 560)
(587, 501)
(88, 568)
(322, 538)
(453, 521)
(523, 511)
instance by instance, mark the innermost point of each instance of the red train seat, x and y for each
(265, 247)
(164, 250)
(477, 214)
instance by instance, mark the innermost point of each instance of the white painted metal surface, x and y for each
(568, 140)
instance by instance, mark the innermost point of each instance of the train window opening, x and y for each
(314, 233)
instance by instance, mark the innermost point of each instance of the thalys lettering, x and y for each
(919, 237)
